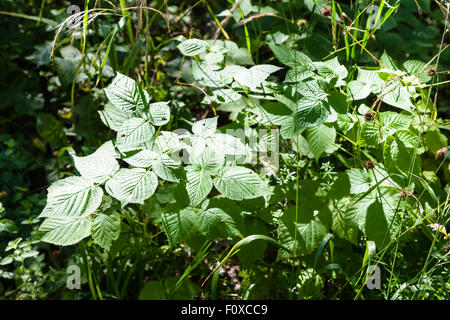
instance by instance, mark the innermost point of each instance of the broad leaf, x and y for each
(319, 139)
(192, 47)
(126, 94)
(132, 185)
(310, 112)
(99, 166)
(238, 183)
(135, 131)
(72, 197)
(106, 229)
(65, 231)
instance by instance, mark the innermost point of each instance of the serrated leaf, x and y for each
(199, 184)
(272, 113)
(98, 166)
(142, 159)
(417, 68)
(358, 90)
(313, 89)
(290, 57)
(192, 47)
(65, 231)
(386, 124)
(126, 94)
(135, 131)
(319, 139)
(309, 228)
(205, 128)
(238, 183)
(72, 197)
(159, 113)
(164, 168)
(374, 214)
(168, 142)
(400, 153)
(255, 76)
(226, 144)
(132, 185)
(205, 75)
(106, 229)
(310, 112)
(114, 117)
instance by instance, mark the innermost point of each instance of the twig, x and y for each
(224, 22)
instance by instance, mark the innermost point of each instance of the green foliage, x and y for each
(296, 152)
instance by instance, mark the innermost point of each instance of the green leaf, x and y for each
(199, 184)
(206, 127)
(226, 144)
(255, 76)
(106, 229)
(314, 89)
(418, 69)
(206, 75)
(435, 140)
(126, 94)
(358, 90)
(143, 159)
(65, 231)
(310, 112)
(100, 165)
(72, 197)
(215, 222)
(388, 61)
(290, 57)
(338, 101)
(319, 139)
(298, 73)
(192, 47)
(114, 117)
(164, 168)
(135, 131)
(153, 290)
(374, 214)
(400, 153)
(398, 96)
(132, 185)
(272, 113)
(182, 226)
(238, 183)
(386, 124)
(159, 113)
(309, 228)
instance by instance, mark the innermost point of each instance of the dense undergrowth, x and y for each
(224, 150)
